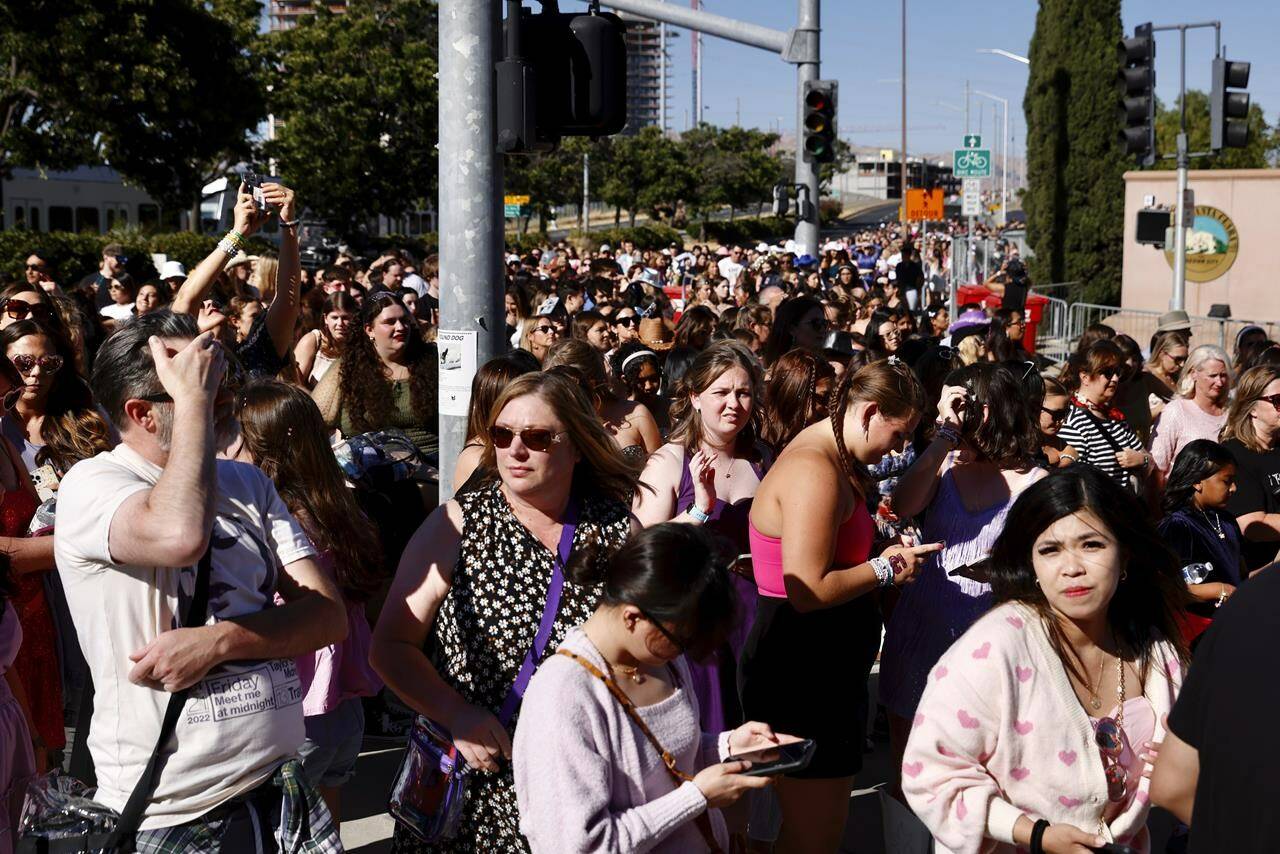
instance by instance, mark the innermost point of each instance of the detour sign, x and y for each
(924, 204)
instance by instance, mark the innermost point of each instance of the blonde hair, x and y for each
(264, 277)
(710, 364)
(1198, 356)
(602, 469)
(1253, 385)
(970, 349)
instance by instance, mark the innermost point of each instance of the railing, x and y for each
(1140, 324)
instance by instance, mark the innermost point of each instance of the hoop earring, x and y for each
(1124, 573)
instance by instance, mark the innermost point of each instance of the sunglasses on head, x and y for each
(20, 309)
(26, 363)
(537, 439)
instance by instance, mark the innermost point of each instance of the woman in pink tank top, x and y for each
(816, 632)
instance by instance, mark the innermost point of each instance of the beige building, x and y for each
(1233, 253)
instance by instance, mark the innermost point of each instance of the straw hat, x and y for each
(657, 334)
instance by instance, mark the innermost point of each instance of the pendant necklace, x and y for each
(1214, 521)
(1094, 700)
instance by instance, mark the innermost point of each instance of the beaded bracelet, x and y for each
(946, 432)
(883, 570)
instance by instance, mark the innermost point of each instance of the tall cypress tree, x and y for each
(1075, 164)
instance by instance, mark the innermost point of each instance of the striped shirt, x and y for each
(1085, 435)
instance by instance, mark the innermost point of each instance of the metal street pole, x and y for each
(807, 225)
(471, 223)
(586, 191)
(1004, 156)
(1178, 300)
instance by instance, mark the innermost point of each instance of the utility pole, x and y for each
(966, 107)
(1004, 154)
(471, 223)
(586, 191)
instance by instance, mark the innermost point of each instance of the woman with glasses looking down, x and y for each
(1169, 352)
(1252, 435)
(475, 580)
(1094, 425)
(1038, 729)
(1054, 409)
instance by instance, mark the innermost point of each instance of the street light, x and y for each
(1004, 155)
(1007, 54)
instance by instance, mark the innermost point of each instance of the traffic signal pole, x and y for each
(472, 311)
(799, 47)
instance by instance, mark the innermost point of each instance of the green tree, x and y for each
(646, 172)
(550, 179)
(157, 90)
(1075, 165)
(1260, 153)
(355, 95)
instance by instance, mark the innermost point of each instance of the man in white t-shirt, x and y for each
(133, 525)
(731, 265)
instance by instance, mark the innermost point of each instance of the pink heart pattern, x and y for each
(1069, 803)
(967, 720)
(1020, 773)
(1068, 757)
(912, 769)
(940, 672)
(1016, 622)
(983, 651)
(1023, 727)
(1023, 673)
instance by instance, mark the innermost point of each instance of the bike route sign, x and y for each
(972, 163)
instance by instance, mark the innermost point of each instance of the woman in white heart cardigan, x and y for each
(1038, 728)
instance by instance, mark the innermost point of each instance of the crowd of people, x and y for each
(702, 495)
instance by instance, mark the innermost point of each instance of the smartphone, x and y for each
(45, 480)
(254, 183)
(779, 759)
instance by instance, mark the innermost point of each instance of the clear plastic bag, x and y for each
(59, 806)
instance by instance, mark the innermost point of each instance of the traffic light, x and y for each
(1138, 79)
(1229, 111)
(563, 74)
(820, 121)
(781, 199)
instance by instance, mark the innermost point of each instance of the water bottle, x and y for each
(1196, 573)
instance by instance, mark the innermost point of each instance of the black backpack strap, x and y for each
(131, 816)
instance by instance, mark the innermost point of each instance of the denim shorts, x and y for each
(333, 744)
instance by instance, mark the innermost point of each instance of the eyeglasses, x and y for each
(537, 439)
(19, 309)
(547, 330)
(1110, 373)
(35, 266)
(1177, 360)
(1056, 414)
(122, 259)
(1273, 399)
(26, 363)
(666, 633)
(1110, 741)
(629, 320)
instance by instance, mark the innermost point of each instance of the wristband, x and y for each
(228, 248)
(883, 570)
(290, 223)
(946, 432)
(1037, 836)
(698, 514)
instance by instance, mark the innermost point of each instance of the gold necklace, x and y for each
(1094, 700)
(632, 673)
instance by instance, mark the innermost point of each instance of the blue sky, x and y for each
(860, 47)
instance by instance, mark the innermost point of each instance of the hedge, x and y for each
(71, 257)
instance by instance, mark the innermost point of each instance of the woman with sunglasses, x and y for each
(21, 301)
(1054, 409)
(1252, 435)
(587, 777)
(1169, 352)
(476, 579)
(387, 377)
(538, 334)
(1094, 425)
(1200, 409)
(1038, 728)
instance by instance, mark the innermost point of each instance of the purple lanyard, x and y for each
(549, 611)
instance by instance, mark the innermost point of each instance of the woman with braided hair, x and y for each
(817, 630)
(795, 396)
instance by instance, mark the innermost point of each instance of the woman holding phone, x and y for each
(1038, 728)
(817, 630)
(602, 717)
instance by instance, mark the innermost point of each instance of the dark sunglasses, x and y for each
(534, 438)
(1110, 373)
(1055, 414)
(1273, 399)
(630, 320)
(547, 330)
(35, 266)
(1110, 741)
(122, 259)
(26, 363)
(666, 633)
(20, 309)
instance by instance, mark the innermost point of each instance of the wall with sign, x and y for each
(1233, 251)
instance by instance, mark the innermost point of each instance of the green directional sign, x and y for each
(972, 140)
(972, 163)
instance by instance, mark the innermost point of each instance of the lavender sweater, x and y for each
(587, 779)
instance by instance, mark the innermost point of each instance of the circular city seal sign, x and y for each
(1212, 245)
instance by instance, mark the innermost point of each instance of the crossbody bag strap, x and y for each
(131, 815)
(703, 820)
(550, 609)
(1102, 428)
